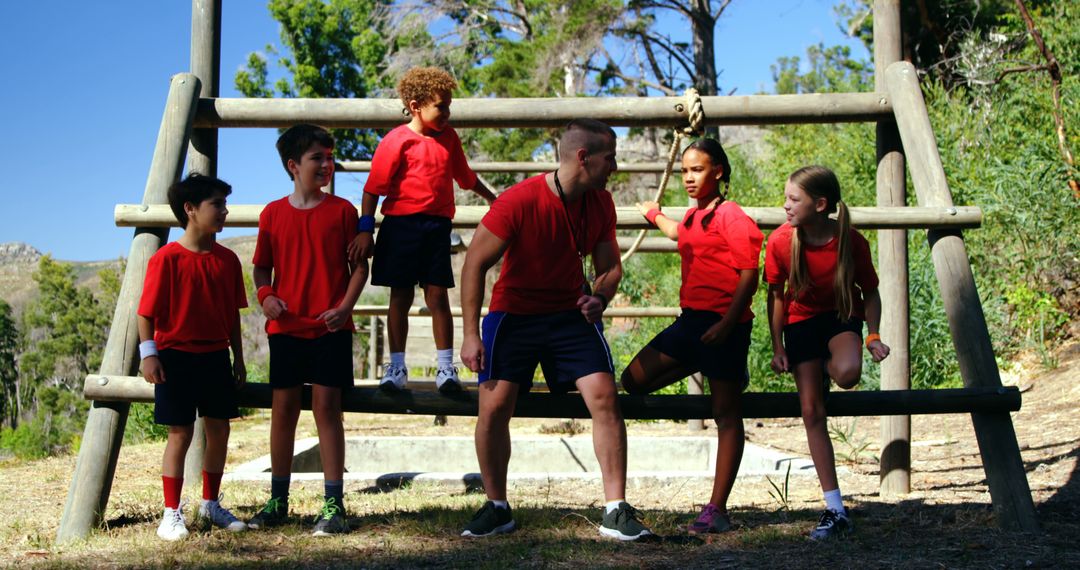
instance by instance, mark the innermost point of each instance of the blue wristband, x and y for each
(366, 224)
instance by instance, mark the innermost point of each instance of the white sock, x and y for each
(444, 357)
(397, 358)
(612, 505)
(834, 502)
(501, 504)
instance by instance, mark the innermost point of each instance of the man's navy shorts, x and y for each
(200, 381)
(413, 250)
(809, 339)
(682, 341)
(565, 346)
(325, 360)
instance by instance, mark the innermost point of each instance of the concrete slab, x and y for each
(385, 463)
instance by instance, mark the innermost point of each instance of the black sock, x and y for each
(279, 488)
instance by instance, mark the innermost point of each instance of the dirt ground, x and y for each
(946, 520)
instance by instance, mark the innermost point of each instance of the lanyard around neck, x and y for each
(579, 244)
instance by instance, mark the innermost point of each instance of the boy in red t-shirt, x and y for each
(189, 316)
(414, 168)
(308, 305)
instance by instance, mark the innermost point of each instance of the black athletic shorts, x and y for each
(200, 381)
(809, 339)
(325, 360)
(565, 346)
(413, 250)
(726, 361)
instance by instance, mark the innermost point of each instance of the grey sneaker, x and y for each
(394, 378)
(274, 513)
(331, 520)
(447, 381)
(622, 523)
(490, 520)
(172, 525)
(832, 525)
(219, 516)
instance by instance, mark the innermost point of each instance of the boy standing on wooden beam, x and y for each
(189, 316)
(307, 290)
(415, 167)
(547, 310)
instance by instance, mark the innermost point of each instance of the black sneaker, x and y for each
(832, 525)
(622, 523)
(490, 520)
(274, 513)
(331, 520)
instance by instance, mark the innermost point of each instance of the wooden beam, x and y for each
(868, 218)
(526, 167)
(895, 462)
(540, 405)
(96, 465)
(618, 312)
(1009, 489)
(550, 112)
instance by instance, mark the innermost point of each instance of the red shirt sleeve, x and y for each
(155, 289)
(463, 173)
(778, 256)
(264, 250)
(608, 221)
(241, 298)
(384, 164)
(745, 239)
(504, 217)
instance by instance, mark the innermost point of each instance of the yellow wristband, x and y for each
(871, 338)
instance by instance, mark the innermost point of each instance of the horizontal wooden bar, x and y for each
(867, 218)
(535, 405)
(550, 112)
(527, 167)
(617, 312)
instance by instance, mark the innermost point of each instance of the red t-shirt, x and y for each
(713, 256)
(416, 173)
(541, 271)
(819, 296)
(192, 298)
(306, 251)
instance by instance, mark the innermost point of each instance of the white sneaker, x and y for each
(447, 381)
(394, 378)
(172, 525)
(220, 516)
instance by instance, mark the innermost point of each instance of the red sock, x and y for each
(211, 485)
(173, 486)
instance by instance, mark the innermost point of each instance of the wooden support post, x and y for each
(206, 65)
(374, 343)
(895, 471)
(202, 152)
(92, 480)
(1002, 463)
(695, 386)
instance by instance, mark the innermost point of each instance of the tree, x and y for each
(9, 375)
(66, 328)
(336, 49)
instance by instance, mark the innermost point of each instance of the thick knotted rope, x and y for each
(695, 118)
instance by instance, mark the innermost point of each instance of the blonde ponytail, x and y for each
(844, 284)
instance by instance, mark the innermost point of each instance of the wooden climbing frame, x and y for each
(194, 113)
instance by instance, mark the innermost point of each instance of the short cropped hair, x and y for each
(195, 188)
(579, 133)
(421, 84)
(297, 139)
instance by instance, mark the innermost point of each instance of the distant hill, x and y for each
(19, 261)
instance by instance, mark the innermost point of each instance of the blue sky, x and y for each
(85, 85)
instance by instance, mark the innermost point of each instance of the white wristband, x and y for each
(147, 348)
